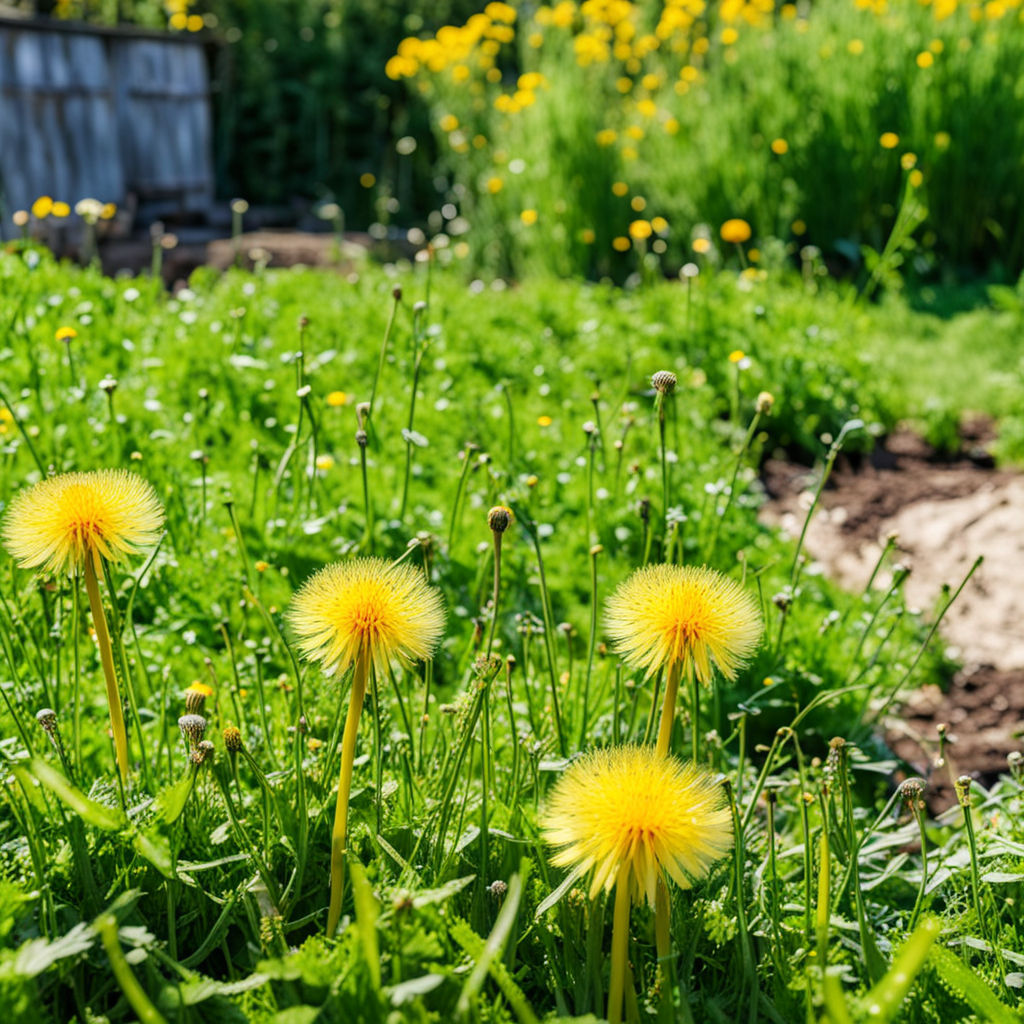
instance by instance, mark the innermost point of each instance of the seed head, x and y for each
(47, 718)
(193, 728)
(201, 752)
(765, 401)
(664, 382)
(500, 518)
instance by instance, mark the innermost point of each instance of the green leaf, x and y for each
(367, 912)
(106, 818)
(156, 851)
(406, 991)
(171, 801)
(567, 883)
(884, 1000)
(981, 999)
(427, 896)
(39, 955)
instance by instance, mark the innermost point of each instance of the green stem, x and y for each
(620, 943)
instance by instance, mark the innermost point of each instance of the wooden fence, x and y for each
(113, 114)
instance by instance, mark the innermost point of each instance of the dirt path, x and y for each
(945, 514)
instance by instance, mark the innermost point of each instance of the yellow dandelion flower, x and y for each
(544, 421)
(701, 245)
(362, 613)
(65, 334)
(337, 398)
(737, 355)
(201, 688)
(888, 140)
(63, 522)
(42, 207)
(629, 808)
(780, 147)
(620, 243)
(324, 462)
(366, 608)
(495, 185)
(528, 217)
(619, 188)
(690, 615)
(631, 816)
(60, 210)
(367, 179)
(735, 230)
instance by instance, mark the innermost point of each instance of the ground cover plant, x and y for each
(518, 455)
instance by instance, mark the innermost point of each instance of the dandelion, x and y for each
(42, 207)
(60, 210)
(685, 619)
(362, 614)
(73, 523)
(736, 231)
(780, 147)
(528, 217)
(701, 246)
(888, 140)
(630, 816)
(336, 399)
(640, 230)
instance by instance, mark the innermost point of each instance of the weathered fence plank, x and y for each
(114, 115)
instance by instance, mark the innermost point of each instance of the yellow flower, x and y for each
(737, 355)
(916, 178)
(337, 398)
(729, 36)
(197, 687)
(687, 614)
(632, 812)
(262, 566)
(528, 217)
(587, 236)
(640, 229)
(61, 522)
(367, 179)
(65, 334)
(908, 161)
(780, 147)
(659, 224)
(619, 188)
(799, 227)
(324, 462)
(42, 207)
(61, 210)
(109, 211)
(544, 421)
(495, 185)
(942, 140)
(735, 230)
(925, 59)
(449, 123)
(888, 140)
(701, 246)
(366, 607)
(620, 243)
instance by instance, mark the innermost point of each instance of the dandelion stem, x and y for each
(348, 754)
(126, 980)
(620, 941)
(497, 589)
(99, 618)
(668, 710)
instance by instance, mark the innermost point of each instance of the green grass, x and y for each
(210, 406)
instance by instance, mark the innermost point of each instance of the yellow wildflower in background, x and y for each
(65, 334)
(735, 230)
(888, 140)
(337, 398)
(780, 147)
(640, 229)
(64, 521)
(528, 217)
(42, 207)
(60, 210)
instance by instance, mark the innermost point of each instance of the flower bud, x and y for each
(192, 727)
(232, 739)
(664, 382)
(765, 401)
(499, 518)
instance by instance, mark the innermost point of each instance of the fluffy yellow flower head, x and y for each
(61, 522)
(367, 606)
(688, 614)
(631, 807)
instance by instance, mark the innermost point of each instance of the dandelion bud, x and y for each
(590, 428)
(765, 401)
(664, 382)
(497, 889)
(361, 437)
(419, 307)
(108, 384)
(192, 727)
(911, 790)
(47, 718)
(195, 701)
(644, 509)
(396, 293)
(963, 790)
(201, 753)
(596, 550)
(239, 206)
(499, 518)
(510, 663)
(232, 739)
(303, 322)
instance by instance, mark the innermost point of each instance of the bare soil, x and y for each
(945, 513)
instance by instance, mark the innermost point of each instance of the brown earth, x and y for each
(945, 514)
